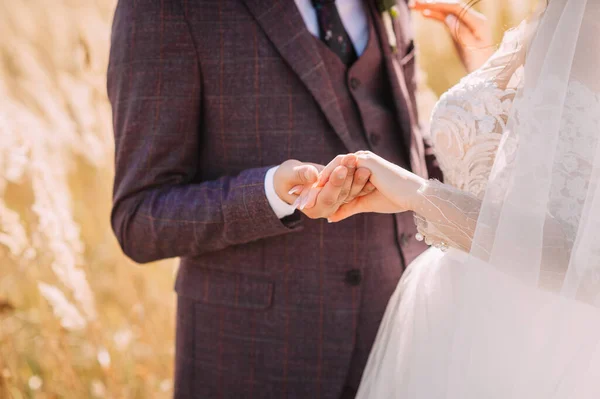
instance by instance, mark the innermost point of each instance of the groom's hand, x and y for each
(294, 173)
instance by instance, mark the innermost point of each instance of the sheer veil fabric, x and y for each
(516, 315)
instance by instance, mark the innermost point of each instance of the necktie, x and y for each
(332, 31)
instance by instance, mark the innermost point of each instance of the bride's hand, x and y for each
(396, 189)
(470, 30)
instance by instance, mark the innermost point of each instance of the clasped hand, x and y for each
(301, 184)
(354, 183)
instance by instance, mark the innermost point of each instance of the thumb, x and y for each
(305, 174)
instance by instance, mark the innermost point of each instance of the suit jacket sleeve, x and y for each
(160, 210)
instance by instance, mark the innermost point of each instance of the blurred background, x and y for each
(77, 319)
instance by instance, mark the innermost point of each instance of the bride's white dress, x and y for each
(509, 348)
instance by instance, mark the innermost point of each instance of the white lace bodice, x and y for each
(466, 127)
(468, 121)
(468, 124)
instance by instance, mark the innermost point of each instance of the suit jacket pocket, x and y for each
(231, 289)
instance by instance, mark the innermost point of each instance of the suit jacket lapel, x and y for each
(284, 26)
(395, 72)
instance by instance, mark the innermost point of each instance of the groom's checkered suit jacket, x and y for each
(207, 96)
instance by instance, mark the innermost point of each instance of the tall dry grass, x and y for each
(78, 320)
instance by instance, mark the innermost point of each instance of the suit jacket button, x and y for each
(354, 83)
(353, 277)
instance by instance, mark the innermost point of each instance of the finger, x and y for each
(467, 15)
(349, 162)
(454, 26)
(296, 190)
(361, 178)
(458, 26)
(344, 212)
(369, 188)
(301, 198)
(445, 6)
(328, 170)
(328, 197)
(316, 165)
(305, 174)
(434, 15)
(346, 187)
(310, 198)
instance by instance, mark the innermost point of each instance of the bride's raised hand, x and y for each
(470, 30)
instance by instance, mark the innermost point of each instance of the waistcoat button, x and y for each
(354, 83)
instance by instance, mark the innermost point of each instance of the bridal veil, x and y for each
(519, 315)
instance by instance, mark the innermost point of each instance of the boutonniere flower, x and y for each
(389, 11)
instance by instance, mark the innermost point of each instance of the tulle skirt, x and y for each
(454, 329)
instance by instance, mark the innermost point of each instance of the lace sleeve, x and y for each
(446, 216)
(467, 127)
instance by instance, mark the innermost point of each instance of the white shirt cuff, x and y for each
(279, 206)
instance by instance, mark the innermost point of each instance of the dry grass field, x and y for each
(77, 319)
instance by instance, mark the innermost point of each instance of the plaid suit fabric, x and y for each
(206, 97)
(370, 116)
